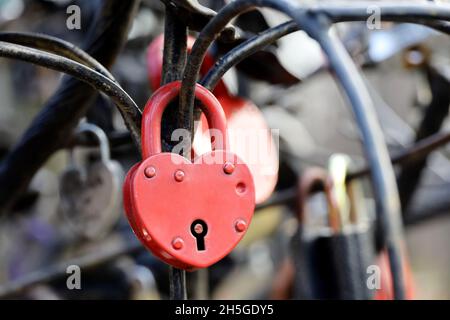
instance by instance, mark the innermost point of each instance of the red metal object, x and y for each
(166, 195)
(244, 119)
(386, 291)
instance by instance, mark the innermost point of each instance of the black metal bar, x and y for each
(174, 61)
(435, 114)
(269, 36)
(127, 107)
(175, 48)
(389, 11)
(196, 16)
(177, 278)
(413, 154)
(51, 128)
(244, 50)
(175, 51)
(428, 14)
(56, 46)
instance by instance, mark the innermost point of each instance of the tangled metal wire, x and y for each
(51, 128)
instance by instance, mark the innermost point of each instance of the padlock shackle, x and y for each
(101, 137)
(308, 183)
(154, 109)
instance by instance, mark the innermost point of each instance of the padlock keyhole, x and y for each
(199, 229)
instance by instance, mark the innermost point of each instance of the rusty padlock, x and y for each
(328, 255)
(89, 193)
(250, 136)
(189, 214)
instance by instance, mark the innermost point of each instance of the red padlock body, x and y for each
(242, 115)
(162, 205)
(127, 202)
(166, 208)
(133, 220)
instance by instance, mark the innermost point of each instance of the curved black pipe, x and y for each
(51, 128)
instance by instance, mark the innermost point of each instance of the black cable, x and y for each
(177, 280)
(57, 46)
(389, 11)
(429, 14)
(244, 50)
(417, 152)
(432, 122)
(174, 60)
(127, 107)
(267, 37)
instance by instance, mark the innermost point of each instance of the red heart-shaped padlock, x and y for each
(189, 214)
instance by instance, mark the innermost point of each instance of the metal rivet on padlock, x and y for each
(228, 168)
(241, 226)
(150, 172)
(179, 175)
(177, 243)
(90, 196)
(189, 214)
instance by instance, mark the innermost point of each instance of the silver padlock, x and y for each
(91, 195)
